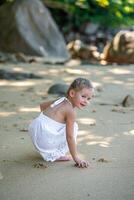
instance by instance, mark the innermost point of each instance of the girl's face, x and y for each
(81, 98)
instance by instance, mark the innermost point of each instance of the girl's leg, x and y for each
(64, 158)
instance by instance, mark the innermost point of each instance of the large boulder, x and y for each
(27, 26)
(121, 48)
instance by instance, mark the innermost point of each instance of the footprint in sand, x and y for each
(40, 165)
(102, 160)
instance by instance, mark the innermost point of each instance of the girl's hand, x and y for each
(81, 163)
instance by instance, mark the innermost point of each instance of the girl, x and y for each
(54, 131)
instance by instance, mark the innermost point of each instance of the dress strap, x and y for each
(59, 101)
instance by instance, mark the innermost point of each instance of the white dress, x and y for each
(49, 136)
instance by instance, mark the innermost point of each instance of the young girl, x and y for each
(54, 131)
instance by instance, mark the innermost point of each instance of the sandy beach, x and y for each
(106, 136)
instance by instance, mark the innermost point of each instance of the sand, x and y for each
(106, 136)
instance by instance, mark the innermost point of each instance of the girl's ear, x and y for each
(71, 93)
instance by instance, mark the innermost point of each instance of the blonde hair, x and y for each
(80, 83)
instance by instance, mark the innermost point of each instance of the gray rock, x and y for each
(60, 89)
(128, 101)
(27, 27)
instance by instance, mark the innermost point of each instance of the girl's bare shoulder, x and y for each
(69, 110)
(67, 105)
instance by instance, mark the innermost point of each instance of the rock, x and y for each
(33, 34)
(7, 57)
(89, 28)
(121, 48)
(60, 89)
(82, 51)
(21, 57)
(128, 101)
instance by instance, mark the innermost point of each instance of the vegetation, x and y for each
(110, 13)
(106, 12)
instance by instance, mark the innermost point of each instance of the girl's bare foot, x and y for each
(64, 158)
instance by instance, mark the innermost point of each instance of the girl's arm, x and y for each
(45, 105)
(70, 119)
(70, 134)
